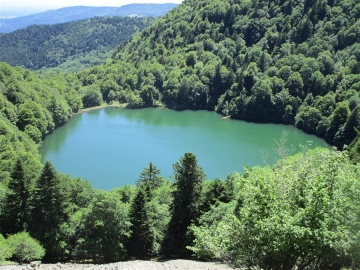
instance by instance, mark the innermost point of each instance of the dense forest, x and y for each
(46, 46)
(292, 62)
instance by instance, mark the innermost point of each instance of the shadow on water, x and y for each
(61, 134)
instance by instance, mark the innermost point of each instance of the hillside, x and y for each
(69, 14)
(292, 62)
(46, 46)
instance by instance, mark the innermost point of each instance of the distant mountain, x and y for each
(48, 46)
(69, 14)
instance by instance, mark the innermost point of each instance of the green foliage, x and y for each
(105, 229)
(5, 250)
(301, 214)
(158, 210)
(256, 61)
(14, 145)
(34, 105)
(141, 238)
(74, 100)
(49, 210)
(354, 150)
(16, 210)
(24, 247)
(217, 191)
(185, 208)
(48, 46)
(32, 114)
(91, 96)
(150, 177)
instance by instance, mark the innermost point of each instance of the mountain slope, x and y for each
(47, 46)
(69, 14)
(292, 62)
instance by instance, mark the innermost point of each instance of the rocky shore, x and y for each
(173, 264)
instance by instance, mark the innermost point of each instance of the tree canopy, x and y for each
(48, 46)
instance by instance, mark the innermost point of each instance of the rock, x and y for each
(35, 264)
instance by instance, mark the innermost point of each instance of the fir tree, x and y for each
(189, 177)
(150, 176)
(49, 211)
(16, 212)
(141, 239)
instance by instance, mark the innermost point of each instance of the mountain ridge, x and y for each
(68, 14)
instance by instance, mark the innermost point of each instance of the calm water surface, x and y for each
(111, 146)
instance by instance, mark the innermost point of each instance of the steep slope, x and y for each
(47, 46)
(293, 62)
(69, 14)
(30, 108)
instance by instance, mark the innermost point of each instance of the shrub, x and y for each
(5, 251)
(24, 247)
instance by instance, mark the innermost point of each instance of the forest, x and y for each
(47, 46)
(285, 61)
(250, 60)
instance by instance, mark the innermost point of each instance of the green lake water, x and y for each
(111, 146)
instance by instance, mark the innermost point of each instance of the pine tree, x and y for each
(150, 176)
(15, 217)
(49, 211)
(141, 239)
(189, 177)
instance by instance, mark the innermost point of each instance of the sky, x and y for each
(14, 8)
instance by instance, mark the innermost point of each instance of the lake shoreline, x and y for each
(102, 106)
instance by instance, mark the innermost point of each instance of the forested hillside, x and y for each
(292, 62)
(69, 14)
(30, 109)
(46, 46)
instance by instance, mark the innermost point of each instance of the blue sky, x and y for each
(9, 8)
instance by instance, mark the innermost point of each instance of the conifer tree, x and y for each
(49, 211)
(150, 176)
(15, 217)
(189, 177)
(141, 239)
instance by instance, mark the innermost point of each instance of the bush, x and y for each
(24, 247)
(5, 251)
(301, 214)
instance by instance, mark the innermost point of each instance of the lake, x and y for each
(111, 146)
